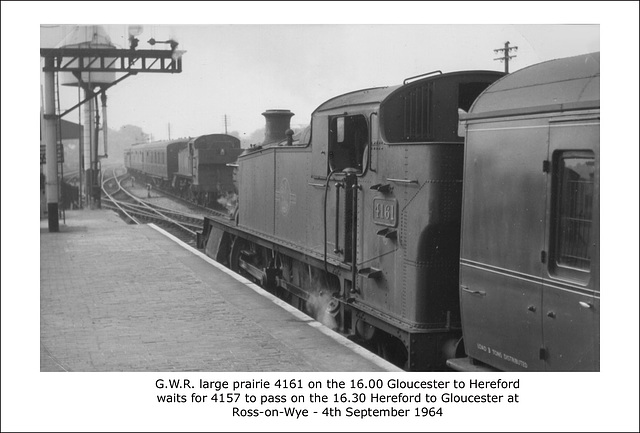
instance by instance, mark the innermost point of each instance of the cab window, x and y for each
(348, 140)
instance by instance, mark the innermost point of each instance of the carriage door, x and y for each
(348, 138)
(571, 298)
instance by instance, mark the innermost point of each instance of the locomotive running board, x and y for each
(391, 324)
(276, 244)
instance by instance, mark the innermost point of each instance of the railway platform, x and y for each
(118, 297)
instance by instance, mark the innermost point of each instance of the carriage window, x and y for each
(573, 188)
(349, 137)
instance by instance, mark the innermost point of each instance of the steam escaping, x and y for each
(323, 307)
(229, 201)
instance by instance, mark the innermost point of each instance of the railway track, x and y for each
(135, 210)
(204, 209)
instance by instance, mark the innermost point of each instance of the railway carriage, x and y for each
(158, 160)
(530, 259)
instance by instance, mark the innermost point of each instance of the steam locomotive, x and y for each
(197, 169)
(380, 222)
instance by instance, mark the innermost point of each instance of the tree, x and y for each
(122, 138)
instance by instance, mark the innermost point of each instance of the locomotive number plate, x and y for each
(385, 212)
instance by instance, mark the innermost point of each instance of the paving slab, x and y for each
(119, 297)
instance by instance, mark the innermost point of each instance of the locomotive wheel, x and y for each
(239, 244)
(247, 260)
(392, 350)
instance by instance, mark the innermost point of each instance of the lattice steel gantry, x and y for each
(82, 60)
(111, 60)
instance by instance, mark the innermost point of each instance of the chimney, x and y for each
(278, 122)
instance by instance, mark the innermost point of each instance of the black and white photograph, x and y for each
(320, 216)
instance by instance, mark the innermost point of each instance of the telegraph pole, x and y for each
(507, 49)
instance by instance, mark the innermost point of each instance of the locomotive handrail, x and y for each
(336, 248)
(370, 147)
(421, 75)
(324, 223)
(409, 181)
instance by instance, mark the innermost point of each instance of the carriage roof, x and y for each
(555, 85)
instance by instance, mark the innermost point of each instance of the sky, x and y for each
(240, 70)
(246, 57)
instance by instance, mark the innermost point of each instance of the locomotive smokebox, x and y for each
(278, 121)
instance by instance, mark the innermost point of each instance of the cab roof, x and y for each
(377, 95)
(359, 97)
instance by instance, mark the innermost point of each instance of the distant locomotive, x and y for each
(358, 219)
(195, 168)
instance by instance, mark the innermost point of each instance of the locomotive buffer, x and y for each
(77, 61)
